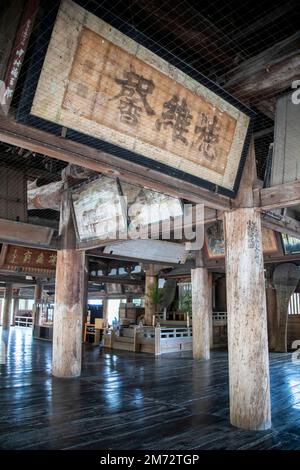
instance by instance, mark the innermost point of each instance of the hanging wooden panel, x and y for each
(101, 83)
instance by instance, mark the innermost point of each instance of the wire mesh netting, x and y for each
(213, 38)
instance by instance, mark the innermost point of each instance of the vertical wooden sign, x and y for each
(17, 56)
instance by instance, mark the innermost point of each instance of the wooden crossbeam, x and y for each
(279, 196)
(268, 73)
(69, 151)
(25, 234)
(116, 280)
(286, 224)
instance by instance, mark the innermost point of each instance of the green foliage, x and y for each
(185, 303)
(156, 294)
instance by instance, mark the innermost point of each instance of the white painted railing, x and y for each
(23, 321)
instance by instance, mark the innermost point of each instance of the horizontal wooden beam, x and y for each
(25, 234)
(268, 73)
(116, 280)
(279, 196)
(283, 224)
(45, 143)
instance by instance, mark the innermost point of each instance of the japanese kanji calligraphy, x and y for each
(107, 86)
(18, 257)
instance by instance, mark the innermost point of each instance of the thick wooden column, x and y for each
(7, 306)
(211, 324)
(69, 295)
(105, 310)
(272, 316)
(249, 386)
(150, 282)
(249, 383)
(36, 306)
(201, 308)
(15, 307)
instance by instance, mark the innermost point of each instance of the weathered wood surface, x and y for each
(7, 306)
(279, 196)
(69, 299)
(285, 224)
(36, 311)
(150, 282)
(285, 278)
(272, 312)
(9, 20)
(114, 89)
(285, 161)
(272, 316)
(72, 152)
(268, 73)
(29, 234)
(44, 197)
(201, 312)
(247, 321)
(16, 306)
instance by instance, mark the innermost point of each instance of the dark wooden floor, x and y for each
(134, 401)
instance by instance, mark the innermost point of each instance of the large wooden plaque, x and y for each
(30, 260)
(100, 82)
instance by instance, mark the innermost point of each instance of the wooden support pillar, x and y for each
(36, 312)
(6, 320)
(211, 325)
(151, 281)
(85, 296)
(272, 316)
(249, 383)
(249, 387)
(105, 310)
(16, 307)
(201, 310)
(69, 298)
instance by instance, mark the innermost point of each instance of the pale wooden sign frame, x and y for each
(160, 142)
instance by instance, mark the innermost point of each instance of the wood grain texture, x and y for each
(285, 164)
(101, 83)
(7, 306)
(201, 307)
(150, 309)
(69, 299)
(247, 321)
(68, 313)
(272, 315)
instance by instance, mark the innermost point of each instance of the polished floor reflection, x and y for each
(134, 401)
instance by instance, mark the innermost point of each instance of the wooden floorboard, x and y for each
(128, 401)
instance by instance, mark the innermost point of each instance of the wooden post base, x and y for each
(249, 386)
(68, 313)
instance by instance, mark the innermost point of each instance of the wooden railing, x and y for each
(23, 321)
(152, 340)
(161, 340)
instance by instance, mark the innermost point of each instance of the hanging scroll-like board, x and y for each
(101, 83)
